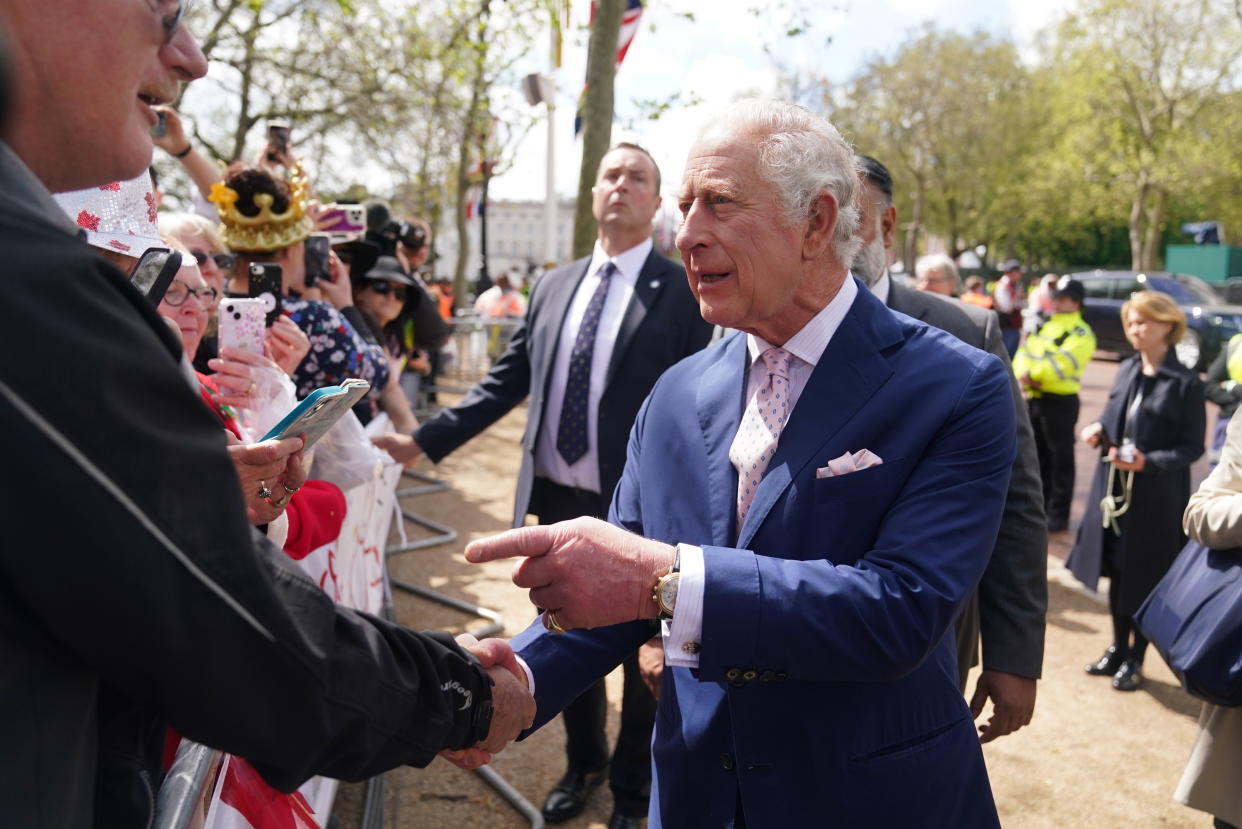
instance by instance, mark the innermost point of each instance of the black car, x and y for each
(1211, 322)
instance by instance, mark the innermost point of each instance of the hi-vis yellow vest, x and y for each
(1234, 363)
(1056, 356)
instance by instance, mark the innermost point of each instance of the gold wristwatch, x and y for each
(665, 593)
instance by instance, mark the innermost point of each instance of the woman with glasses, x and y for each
(286, 345)
(381, 296)
(119, 225)
(265, 221)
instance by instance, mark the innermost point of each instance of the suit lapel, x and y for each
(851, 370)
(646, 289)
(719, 402)
(560, 297)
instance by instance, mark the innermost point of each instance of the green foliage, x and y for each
(391, 90)
(1128, 124)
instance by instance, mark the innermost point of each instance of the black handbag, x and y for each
(1194, 618)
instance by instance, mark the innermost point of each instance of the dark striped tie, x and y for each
(571, 432)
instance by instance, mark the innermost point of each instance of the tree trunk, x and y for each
(1138, 210)
(597, 111)
(469, 135)
(913, 228)
(1155, 230)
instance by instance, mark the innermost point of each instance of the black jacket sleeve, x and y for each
(129, 550)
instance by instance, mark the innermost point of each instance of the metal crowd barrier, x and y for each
(478, 342)
(372, 817)
(179, 798)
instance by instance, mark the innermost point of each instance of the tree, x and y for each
(383, 94)
(953, 117)
(1156, 83)
(597, 114)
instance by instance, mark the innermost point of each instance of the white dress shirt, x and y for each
(881, 287)
(683, 634)
(584, 474)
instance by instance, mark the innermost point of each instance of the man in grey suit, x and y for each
(1009, 606)
(598, 333)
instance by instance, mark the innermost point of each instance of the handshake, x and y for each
(513, 708)
(586, 573)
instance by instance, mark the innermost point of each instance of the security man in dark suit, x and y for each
(597, 335)
(1009, 606)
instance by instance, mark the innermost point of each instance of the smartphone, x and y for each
(317, 247)
(161, 126)
(265, 283)
(155, 271)
(241, 324)
(278, 139)
(342, 220)
(317, 413)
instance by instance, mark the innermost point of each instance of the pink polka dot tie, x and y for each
(762, 422)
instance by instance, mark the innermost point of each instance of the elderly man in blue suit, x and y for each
(807, 504)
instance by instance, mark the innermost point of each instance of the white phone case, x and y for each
(241, 324)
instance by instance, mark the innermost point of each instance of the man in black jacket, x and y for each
(132, 590)
(1007, 611)
(597, 335)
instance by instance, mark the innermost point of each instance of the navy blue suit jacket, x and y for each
(827, 689)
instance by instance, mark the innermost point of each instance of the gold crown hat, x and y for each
(268, 230)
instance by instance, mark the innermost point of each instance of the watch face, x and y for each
(668, 594)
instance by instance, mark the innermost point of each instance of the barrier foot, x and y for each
(430, 484)
(520, 804)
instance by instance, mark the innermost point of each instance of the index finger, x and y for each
(525, 541)
(273, 450)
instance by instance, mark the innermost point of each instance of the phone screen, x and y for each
(317, 245)
(278, 137)
(265, 283)
(155, 271)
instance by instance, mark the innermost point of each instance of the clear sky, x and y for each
(720, 54)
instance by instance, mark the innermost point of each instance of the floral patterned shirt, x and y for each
(337, 351)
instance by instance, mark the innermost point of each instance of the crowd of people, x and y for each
(795, 641)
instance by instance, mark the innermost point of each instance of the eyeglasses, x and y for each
(178, 292)
(171, 13)
(224, 261)
(382, 287)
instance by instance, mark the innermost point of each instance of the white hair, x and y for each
(189, 224)
(802, 155)
(938, 263)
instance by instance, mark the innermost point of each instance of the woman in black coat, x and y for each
(1153, 427)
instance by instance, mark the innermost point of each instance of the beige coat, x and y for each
(1214, 770)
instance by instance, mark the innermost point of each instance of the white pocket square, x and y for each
(849, 462)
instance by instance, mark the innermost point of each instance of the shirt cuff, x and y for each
(682, 635)
(530, 675)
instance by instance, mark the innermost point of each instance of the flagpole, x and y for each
(550, 206)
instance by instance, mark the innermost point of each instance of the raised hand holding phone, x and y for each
(317, 413)
(241, 324)
(336, 288)
(267, 283)
(287, 344)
